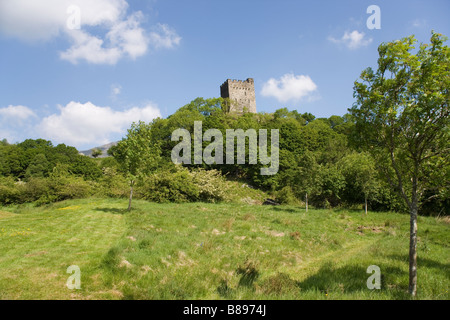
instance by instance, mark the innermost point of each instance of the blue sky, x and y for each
(132, 60)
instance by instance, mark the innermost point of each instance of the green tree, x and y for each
(308, 117)
(38, 167)
(96, 152)
(85, 167)
(12, 161)
(136, 154)
(308, 177)
(331, 183)
(402, 119)
(359, 171)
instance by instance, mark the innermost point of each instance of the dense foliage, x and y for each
(321, 159)
(316, 158)
(402, 118)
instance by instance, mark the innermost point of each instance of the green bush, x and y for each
(168, 186)
(181, 185)
(8, 191)
(286, 196)
(33, 189)
(212, 185)
(71, 188)
(44, 190)
(113, 184)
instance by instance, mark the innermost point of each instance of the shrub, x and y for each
(169, 186)
(8, 191)
(212, 185)
(286, 196)
(113, 184)
(33, 189)
(70, 188)
(178, 184)
(59, 186)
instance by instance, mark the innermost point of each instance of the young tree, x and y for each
(359, 171)
(96, 152)
(308, 177)
(136, 154)
(402, 118)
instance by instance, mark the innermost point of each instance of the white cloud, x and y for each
(289, 87)
(90, 48)
(122, 35)
(129, 36)
(419, 23)
(164, 37)
(352, 40)
(44, 19)
(16, 113)
(116, 89)
(16, 122)
(79, 124)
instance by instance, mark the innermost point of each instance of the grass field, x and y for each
(214, 251)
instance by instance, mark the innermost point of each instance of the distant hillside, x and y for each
(104, 148)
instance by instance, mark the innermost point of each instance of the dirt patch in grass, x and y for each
(228, 224)
(114, 293)
(125, 263)
(5, 214)
(250, 201)
(146, 269)
(293, 258)
(274, 233)
(445, 219)
(34, 254)
(249, 217)
(295, 235)
(217, 232)
(183, 260)
(270, 232)
(360, 229)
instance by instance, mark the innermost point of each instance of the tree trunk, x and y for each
(131, 195)
(365, 202)
(413, 248)
(306, 198)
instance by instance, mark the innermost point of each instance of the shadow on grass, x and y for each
(224, 290)
(112, 210)
(350, 210)
(248, 274)
(423, 262)
(290, 210)
(350, 279)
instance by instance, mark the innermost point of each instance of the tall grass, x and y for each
(214, 251)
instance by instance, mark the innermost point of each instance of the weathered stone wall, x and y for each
(241, 94)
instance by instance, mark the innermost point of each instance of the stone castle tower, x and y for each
(241, 94)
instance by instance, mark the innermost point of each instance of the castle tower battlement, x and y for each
(241, 94)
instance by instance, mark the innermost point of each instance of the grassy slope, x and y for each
(214, 251)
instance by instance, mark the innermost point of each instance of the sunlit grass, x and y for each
(214, 251)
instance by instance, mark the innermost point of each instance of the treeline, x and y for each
(319, 160)
(36, 171)
(38, 158)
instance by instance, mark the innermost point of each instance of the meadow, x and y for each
(214, 251)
